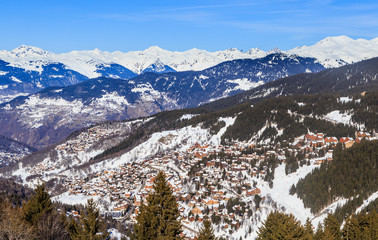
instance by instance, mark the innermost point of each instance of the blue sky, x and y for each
(66, 25)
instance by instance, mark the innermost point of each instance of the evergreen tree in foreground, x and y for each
(309, 232)
(40, 214)
(39, 205)
(351, 229)
(281, 226)
(207, 232)
(331, 227)
(93, 226)
(158, 219)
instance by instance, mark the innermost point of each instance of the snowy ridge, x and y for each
(337, 51)
(331, 52)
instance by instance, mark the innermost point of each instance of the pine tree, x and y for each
(351, 230)
(37, 206)
(281, 226)
(368, 224)
(93, 226)
(207, 232)
(73, 229)
(328, 235)
(319, 233)
(158, 219)
(332, 227)
(147, 224)
(308, 230)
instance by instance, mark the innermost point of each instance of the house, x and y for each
(362, 135)
(349, 144)
(345, 139)
(330, 140)
(253, 191)
(196, 210)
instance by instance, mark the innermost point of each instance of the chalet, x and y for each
(349, 144)
(345, 139)
(330, 140)
(196, 210)
(362, 135)
(253, 191)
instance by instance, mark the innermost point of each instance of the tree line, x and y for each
(282, 226)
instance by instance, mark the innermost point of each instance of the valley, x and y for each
(236, 140)
(235, 183)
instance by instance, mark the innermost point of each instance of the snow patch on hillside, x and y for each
(14, 79)
(345, 99)
(338, 117)
(244, 84)
(73, 199)
(35, 109)
(187, 116)
(370, 199)
(111, 100)
(328, 210)
(281, 187)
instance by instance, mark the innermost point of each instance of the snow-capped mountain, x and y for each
(158, 67)
(338, 51)
(331, 52)
(48, 116)
(26, 69)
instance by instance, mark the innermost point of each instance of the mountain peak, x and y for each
(24, 50)
(154, 49)
(339, 40)
(233, 50)
(254, 51)
(274, 50)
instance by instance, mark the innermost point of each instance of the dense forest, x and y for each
(281, 226)
(352, 173)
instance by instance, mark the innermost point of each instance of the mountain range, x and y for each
(27, 69)
(46, 117)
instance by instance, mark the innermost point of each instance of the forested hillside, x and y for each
(352, 173)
